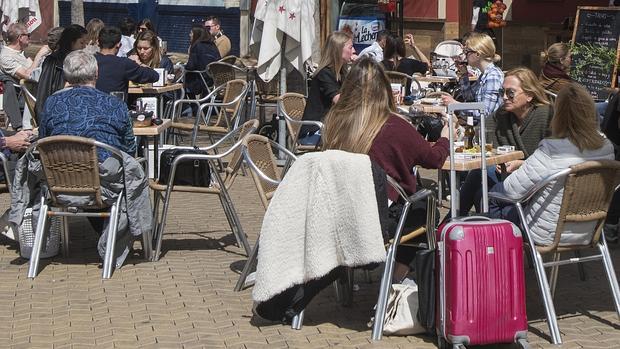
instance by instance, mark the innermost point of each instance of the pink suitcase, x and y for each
(480, 276)
(481, 283)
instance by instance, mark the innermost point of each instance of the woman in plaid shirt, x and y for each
(479, 51)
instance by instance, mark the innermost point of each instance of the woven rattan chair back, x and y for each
(229, 59)
(237, 156)
(222, 72)
(398, 77)
(259, 150)
(293, 105)
(266, 90)
(588, 190)
(71, 167)
(233, 89)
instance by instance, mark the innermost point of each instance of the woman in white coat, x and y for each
(575, 138)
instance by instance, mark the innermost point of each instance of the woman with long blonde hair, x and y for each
(324, 90)
(93, 28)
(479, 53)
(522, 121)
(364, 121)
(575, 138)
(147, 52)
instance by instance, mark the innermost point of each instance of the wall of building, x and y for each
(173, 18)
(533, 26)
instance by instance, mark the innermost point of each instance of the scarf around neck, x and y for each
(555, 71)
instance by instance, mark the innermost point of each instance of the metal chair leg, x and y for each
(545, 291)
(554, 273)
(38, 241)
(384, 290)
(543, 283)
(242, 239)
(580, 269)
(161, 226)
(611, 274)
(337, 291)
(249, 264)
(347, 289)
(298, 321)
(108, 258)
(65, 236)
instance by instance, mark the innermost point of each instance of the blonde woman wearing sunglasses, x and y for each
(522, 121)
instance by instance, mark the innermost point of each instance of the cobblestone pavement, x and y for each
(186, 299)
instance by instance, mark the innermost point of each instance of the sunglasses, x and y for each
(467, 51)
(508, 92)
(207, 27)
(28, 35)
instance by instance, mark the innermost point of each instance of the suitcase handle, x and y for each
(475, 218)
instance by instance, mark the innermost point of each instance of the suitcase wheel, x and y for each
(523, 343)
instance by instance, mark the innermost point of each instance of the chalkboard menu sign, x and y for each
(596, 34)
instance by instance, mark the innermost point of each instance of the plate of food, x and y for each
(429, 100)
(468, 153)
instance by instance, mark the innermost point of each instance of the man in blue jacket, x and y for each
(116, 72)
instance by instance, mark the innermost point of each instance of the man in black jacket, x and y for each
(116, 72)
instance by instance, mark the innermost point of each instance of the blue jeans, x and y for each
(503, 210)
(471, 189)
(601, 107)
(311, 139)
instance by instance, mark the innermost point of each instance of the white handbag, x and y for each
(402, 310)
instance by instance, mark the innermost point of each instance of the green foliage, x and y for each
(592, 55)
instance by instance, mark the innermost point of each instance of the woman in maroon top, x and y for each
(364, 121)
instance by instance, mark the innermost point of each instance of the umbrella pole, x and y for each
(281, 121)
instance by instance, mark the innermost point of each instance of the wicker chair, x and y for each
(266, 94)
(258, 155)
(405, 80)
(29, 90)
(71, 168)
(588, 189)
(292, 106)
(223, 72)
(219, 186)
(230, 59)
(227, 111)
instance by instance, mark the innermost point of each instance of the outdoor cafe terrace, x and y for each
(186, 299)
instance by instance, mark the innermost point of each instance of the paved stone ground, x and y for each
(186, 299)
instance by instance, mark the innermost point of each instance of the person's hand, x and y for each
(135, 58)
(447, 99)
(445, 131)
(409, 40)
(19, 141)
(354, 57)
(512, 166)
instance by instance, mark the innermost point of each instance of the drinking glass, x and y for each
(119, 94)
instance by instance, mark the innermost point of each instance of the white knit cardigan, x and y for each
(323, 215)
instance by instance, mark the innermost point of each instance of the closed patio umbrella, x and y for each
(283, 33)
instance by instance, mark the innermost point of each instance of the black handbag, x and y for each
(196, 173)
